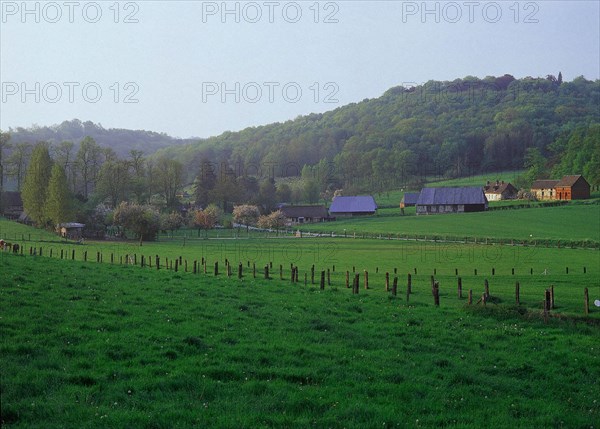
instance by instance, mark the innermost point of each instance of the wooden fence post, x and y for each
(254, 270)
(470, 296)
(436, 293)
(280, 272)
(177, 266)
(517, 293)
(486, 286)
(216, 268)
(586, 302)
(493, 271)
(142, 262)
(328, 277)
(366, 279)
(322, 280)
(312, 274)
(356, 283)
(240, 270)
(546, 305)
(266, 272)
(459, 288)
(475, 271)
(387, 281)
(395, 286)
(552, 297)
(157, 262)
(409, 285)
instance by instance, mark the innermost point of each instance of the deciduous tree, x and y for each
(35, 186)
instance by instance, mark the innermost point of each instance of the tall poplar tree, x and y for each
(35, 186)
(58, 202)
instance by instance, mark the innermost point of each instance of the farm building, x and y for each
(451, 200)
(499, 191)
(353, 206)
(71, 230)
(12, 205)
(295, 215)
(409, 199)
(572, 188)
(544, 189)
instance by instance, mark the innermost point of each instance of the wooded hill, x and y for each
(122, 141)
(450, 129)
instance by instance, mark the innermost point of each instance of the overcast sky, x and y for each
(196, 68)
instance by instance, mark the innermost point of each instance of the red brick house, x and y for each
(572, 188)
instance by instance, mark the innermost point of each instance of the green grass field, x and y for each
(88, 345)
(93, 346)
(571, 222)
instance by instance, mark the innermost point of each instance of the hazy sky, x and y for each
(195, 68)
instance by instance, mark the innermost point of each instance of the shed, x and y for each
(353, 206)
(71, 230)
(304, 214)
(12, 205)
(572, 188)
(451, 200)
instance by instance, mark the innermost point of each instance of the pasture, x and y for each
(96, 346)
(573, 222)
(100, 345)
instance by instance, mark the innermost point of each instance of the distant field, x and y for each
(572, 222)
(376, 256)
(93, 346)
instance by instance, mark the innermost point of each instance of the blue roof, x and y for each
(361, 204)
(410, 198)
(466, 195)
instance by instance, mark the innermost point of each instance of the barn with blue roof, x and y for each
(353, 206)
(451, 200)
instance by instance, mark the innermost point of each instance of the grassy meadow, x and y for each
(101, 345)
(572, 222)
(98, 346)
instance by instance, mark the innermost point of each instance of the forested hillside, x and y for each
(450, 129)
(121, 141)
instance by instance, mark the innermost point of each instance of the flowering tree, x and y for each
(144, 221)
(207, 219)
(246, 214)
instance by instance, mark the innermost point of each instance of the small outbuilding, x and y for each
(295, 215)
(12, 205)
(363, 205)
(71, 230)
(572, 188)
(451, 200)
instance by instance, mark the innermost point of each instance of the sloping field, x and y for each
(97, 346)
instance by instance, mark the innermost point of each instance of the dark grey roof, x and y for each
(304, 211)
(437, 196)
(410, 198)
(359, 204)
